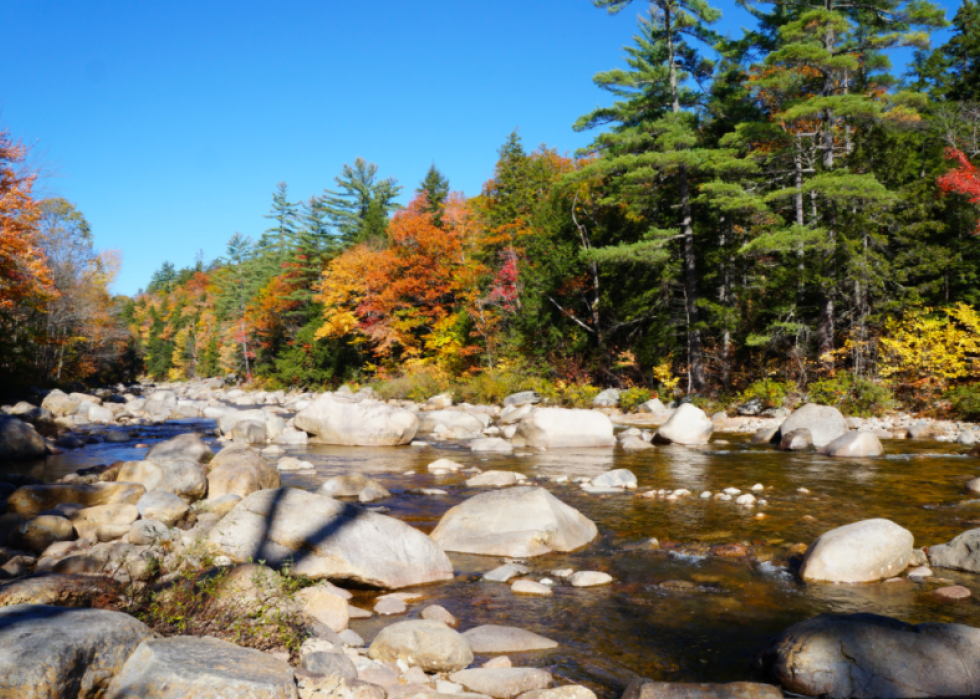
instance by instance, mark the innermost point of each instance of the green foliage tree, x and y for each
(436, 188)
(359, 208)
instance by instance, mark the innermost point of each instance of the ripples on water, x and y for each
(638, 626)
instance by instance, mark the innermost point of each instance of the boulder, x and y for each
(185, 479)
(854, 445)
(866, 656)
(440, 402)
(249, 432)
(322, 604)
(146, 532)
(99, 414)
(435, 612)
(185, 447)
(428, 421)
(607, 399)
(523, 398)
(506, 639)
(634, 444)
(19, 440)
(89, 521)
(504, 682)
(589, 578)
(163, 507)
(431, 645)
(333, 664)
(241, 471)
(766, 435)
(866, 551)
(648, 689)
(520, 521)
(354, 485)
(30, 500)
(332, 420)
(962, 553)
(688, 425)
(559, 428)
(617, 478)
(512, 415)
(40, 532)
(491, 445)
(186, 666)
(654, 407)
(325, 538)
(60, 403)
(824, 422)
(54, 589)
(53, 652)
(147, 473)
(799, 439)
(493, 479)
(315, 685)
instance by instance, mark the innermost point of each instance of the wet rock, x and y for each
(435, 612)
(618, 478)
(40, 532)
(560, 428)
(866, 656)
(688, 425)
(506, 639)
(866, 551)
(185, 666)
(325, 538)
(493, 479)
(241, 471)
(354, 485)
(505, 572)
(519, 521)
(19, 440)
(491, 445)
(975, 451)
(962, 553)
(530, 587)
(51, 652)
(502, 683)
(824, 422)
(31, 500)
(431, 645)
(332, 420)
(951, 593)
(854, 445)
(589, 578)
(647, 689)
(449, 419)
(799, 439)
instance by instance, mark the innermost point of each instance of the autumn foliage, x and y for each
(964, 179)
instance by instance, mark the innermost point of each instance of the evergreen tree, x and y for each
(358, 210)
(960, 56)
(436, 188)
(244, 275)
(279, 239)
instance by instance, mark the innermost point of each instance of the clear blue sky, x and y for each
(169, 124)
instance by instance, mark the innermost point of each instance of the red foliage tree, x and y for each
(964, 179)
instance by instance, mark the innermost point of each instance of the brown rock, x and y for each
(951, 593)
(647, 689)
(30, 500)
(55, 589)
(241, 471)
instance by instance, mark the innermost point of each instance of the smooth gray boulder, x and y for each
(688, 425)
(561, 428)
(866, 551)
(354, 485)
(506, 639)
(163, 507)
(607, 399)
(431, 645)
(617, 478)
(249, 432)
(185, 447)
(186, 666)
(866, 656)
(333, 664)
(824, 422)
(330, 419)
(54, 652)
(654, 407)
(523, 398)
(799, 439)
(519, 521)
(19, 440)
(429, 421)
(325, 538)
(854, 445)
(962, 553)
(504, 682)
(648, 689)
(60, 403)
(240, 470)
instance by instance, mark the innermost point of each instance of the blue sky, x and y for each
(169, 124)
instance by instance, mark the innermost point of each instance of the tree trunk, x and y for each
(690, 285)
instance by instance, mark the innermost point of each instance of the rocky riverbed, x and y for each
(500, 551)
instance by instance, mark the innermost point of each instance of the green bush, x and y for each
(966, 401)
(772, 393)
(853, 396)
(419, 385)
(633, 398)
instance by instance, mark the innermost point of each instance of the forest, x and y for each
(783, 212)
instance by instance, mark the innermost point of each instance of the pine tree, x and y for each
(244, 275)
(279, 239)
(960, 56)
(358, 210)
(436, 189)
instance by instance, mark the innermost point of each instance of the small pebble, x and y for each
(706, 495)
(803, 491)
(758, 486)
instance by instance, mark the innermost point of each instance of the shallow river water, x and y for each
(638, 626)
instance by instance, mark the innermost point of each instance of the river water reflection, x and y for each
(637, 626)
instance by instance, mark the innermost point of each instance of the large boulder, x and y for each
(325, 538)
(648, 689)
(429, 421)
(60, 403)
(54, 652)
(39, 533)
(521, 521)
(186, 666)
(962, 553)
(562, 428)
(866, 656)
(54, 589)
(824, 422)
(250, 432)
(30, 500)
(687, 425)
(19, 440)
(332, 420)
(185, 447)
(161, 506)
(854, 445)
(865, 551)
(431, 645)
(241, 471)
(184, 478)
(104, 522)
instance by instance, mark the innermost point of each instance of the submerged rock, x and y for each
(354, 485)
(866, 656)
(648, 689)
(866, 551)
(519, 521)
(506, 639)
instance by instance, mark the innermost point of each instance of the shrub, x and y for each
(965, 401)
(772, 393)
(579, 395)
(418, 382)
(633, 398)
(853, 395)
